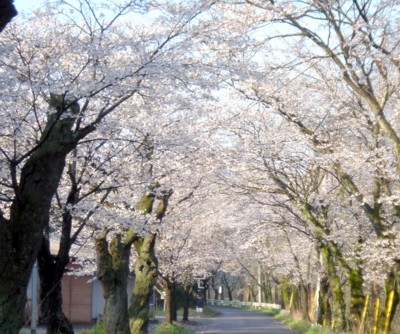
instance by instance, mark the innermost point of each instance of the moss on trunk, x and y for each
(113, 271)
(338, 306)
(21, 235)
(146, 272)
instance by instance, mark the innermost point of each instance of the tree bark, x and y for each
(304, 301)
(146, 272)
(21, 235)
(338, 303)
(325, 311)
(51, 269)
(356, 281)
(285, 293)
(206, 286)
(186, 302)
(113, 270)
(171, 314)
(146, 268)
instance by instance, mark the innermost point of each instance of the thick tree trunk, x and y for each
(146, 272)
(186, 302)
(325, 312)
(304, 301)
(51, 272)
(21, 235)
(113, 271)
(171, 314)
(356, 281)
(338, 303)
(285, 292)
(146, 268)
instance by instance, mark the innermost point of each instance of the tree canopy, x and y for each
(270, 130)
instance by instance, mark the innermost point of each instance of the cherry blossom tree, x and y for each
(330, 84)
(87, 83)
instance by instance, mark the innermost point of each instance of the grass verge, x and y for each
(98, 329)
(173, 328)
(301, 326)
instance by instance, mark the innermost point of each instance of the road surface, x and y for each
(246, 322)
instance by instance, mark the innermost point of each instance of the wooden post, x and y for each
(376, 316)
(364, 313)
(388, 311)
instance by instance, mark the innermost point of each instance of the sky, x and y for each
(26, 5)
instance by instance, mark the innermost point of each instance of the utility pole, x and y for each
(259, 284)
(34, 298)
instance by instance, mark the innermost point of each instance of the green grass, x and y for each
(173, 328)
(301, 326)
(98, 329)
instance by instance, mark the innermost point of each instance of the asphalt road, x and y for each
(246, 322)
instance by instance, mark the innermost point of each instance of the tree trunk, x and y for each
(206, 286)
(146, 269)
(174, 304)
(229, 290)
(170, 302)
(325, 312)
(186, 301)
(51, 272)
(113, 271)
(7, 12)
(52, 268)
(267, 290)
(146, 272)
(285, 292)
(21, 235)
(338, 303)
(356, 281)
(304, 301)
(216, 293)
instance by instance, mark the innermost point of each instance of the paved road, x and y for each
(246, 322)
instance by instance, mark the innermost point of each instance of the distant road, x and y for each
(246, 322)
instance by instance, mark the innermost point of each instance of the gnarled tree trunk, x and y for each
(154, 201)
(21, 235)
(112, 272)
(338, 303)
(51, 269)
(146, 272)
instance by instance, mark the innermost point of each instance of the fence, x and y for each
(213, 302)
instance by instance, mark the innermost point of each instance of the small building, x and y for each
(83, 301)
